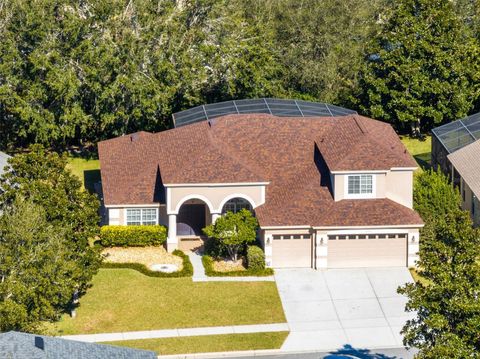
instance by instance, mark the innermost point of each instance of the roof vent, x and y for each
(212, 121)
(39, 343)
(134, 137)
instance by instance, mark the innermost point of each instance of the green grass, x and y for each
(208, 344)
(417, 277)
(420, 150)
(126, 300)
(87, 170)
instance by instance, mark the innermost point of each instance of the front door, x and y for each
(191, 220)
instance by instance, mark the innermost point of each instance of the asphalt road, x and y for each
(345, 353)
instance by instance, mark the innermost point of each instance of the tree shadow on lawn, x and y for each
(90, 177)
(353, 353)
(424, 160)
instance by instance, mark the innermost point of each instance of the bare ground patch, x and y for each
(143, 255)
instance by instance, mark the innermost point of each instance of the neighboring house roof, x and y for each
(467, 164)
(3, 161)
(22, 345)
(458, 134)
(283, 151)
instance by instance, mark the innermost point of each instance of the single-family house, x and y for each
(456, 151)
(330, 188)
(32, 346)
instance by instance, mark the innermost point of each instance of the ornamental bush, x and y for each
(255, 258)
(132, 236)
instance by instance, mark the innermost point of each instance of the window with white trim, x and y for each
(360, 186)
(235, 205)
(141, 216)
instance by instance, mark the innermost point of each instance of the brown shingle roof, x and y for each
(262, 148)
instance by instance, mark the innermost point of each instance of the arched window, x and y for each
(235, 205)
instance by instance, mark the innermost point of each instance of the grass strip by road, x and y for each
(209, 343)
(122, 300)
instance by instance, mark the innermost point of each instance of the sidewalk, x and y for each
(200, 276)
(174, 333)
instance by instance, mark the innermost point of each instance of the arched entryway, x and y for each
(192, 217)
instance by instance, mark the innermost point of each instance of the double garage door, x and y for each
(344, 251)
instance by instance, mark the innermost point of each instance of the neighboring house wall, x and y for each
(396, 185)
(470, 202)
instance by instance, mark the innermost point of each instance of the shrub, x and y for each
(233, 231)
(187, 270)
(209, 271)
(255, 258)
(132, 236)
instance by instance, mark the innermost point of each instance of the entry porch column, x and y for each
(215, 216)
(172, 240)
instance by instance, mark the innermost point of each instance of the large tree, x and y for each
(422, 68)
(75, 72)
(37, 268)
(42, 178)
(434, 195)
(446, 303)
(320, 44)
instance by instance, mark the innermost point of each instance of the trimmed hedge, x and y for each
(132, 236)
(187, 270)
(255, 258)
(209, 271)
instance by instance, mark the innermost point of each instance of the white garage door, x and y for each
(381, 250)
(292, 251)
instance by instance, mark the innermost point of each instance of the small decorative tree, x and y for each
(233, 231)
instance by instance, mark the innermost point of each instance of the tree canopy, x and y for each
(41, 179)
(37, 268)
(233, 231)
(447, 310)
(74, 73)
(422, 68)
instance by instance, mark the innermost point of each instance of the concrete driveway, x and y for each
(327, 310)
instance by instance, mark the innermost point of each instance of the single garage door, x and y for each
(381, 250)
(292, 251)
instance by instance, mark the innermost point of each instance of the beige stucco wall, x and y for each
(396, 185)
(399, 187)
(117, 215)
(214, 196)
(340, 180)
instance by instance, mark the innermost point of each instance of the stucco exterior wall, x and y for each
(214, 196)
(396, 185)
(399, 187)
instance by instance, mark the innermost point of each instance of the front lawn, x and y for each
(126, 300)
(209, 343)
(420, 150)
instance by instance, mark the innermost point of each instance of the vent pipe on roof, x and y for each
(39, 343)
(133, 137)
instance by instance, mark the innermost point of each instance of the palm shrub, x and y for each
(233, 231)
